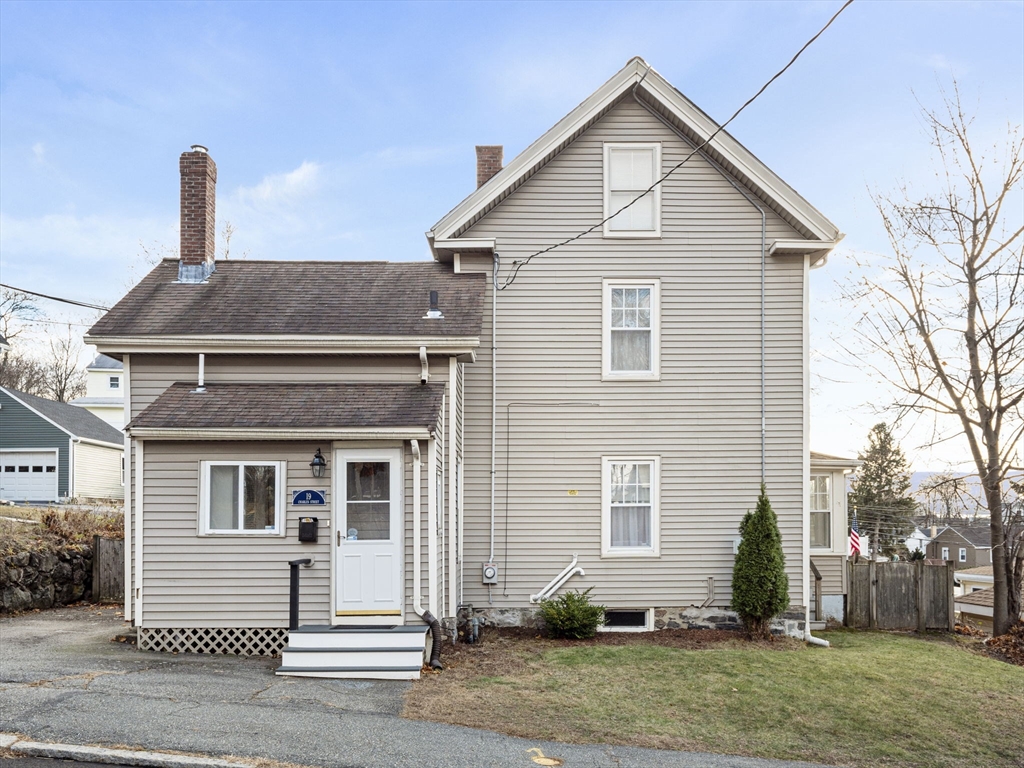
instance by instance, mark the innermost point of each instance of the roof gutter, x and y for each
(243, 433)
(285, 344)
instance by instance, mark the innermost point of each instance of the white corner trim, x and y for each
(139, 466)
(129, 586)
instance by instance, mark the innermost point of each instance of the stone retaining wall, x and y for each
(31, 580)
(790, 623)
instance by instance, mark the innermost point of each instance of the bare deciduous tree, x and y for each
(946, 316)
(64, 379)
(944, 497)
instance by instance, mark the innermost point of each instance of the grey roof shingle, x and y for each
(300, 297)
(978, 536)
(104, 363)
(296, 406)
(75, 420)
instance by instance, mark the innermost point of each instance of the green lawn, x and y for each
(872, 699)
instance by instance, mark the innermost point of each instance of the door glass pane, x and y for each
(223, 498)
(368, 500)
(260, 497)
(820, 529)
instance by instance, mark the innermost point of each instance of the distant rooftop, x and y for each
(104, 363)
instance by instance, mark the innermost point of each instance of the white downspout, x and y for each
(129, 586)
(139, 465)
(417, 604)
(453, 367)
(432, 526)
(809, 638)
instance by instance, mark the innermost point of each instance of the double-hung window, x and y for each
(963, 554)
(631, 344)
(240, 497)
(115, 382)
(629, 171)
(630, 517)
(821, 508)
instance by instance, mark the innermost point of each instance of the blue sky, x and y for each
(345, 130)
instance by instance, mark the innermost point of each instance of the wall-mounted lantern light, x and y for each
(318, 464)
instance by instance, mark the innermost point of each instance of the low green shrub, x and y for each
(572, 615)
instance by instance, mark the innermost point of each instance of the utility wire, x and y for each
(64, 301)
(520, 263)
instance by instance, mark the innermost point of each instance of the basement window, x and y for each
(627, 620)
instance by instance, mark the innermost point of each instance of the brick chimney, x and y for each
(198, 215)
(488, 162)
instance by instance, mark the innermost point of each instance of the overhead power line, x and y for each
(85, 304)
(520, 263)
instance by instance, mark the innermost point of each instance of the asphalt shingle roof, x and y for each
(300, 297)
(298, 406)
(77, 421)
(104, 363)
(978, 536)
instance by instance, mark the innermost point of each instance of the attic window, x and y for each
(629, 171)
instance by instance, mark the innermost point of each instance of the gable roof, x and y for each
(678, 110)
(315, 299)
(75, 421)
(292, 407)
(104, 363)
(979, 537)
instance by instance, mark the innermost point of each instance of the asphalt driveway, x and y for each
(62, 680)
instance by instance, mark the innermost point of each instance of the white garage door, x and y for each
(28, 475)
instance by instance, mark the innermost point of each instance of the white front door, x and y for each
(368, 535)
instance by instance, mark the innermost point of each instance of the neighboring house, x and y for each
(976, 607)
(973, 579)
(967, 546)
(829, 532)
(52, 451)
(919, 539)
(104, 390)
(646, 377)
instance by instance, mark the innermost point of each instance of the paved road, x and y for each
(62, 680)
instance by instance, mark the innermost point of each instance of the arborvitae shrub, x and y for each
(572, 615)
(760, 588)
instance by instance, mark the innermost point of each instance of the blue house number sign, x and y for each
(308, 498)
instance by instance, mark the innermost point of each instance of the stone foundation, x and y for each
(30, 580)
(791, 623)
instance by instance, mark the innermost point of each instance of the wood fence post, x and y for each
(922, 606)
(949, 597)
(872, 596)
(96, 569)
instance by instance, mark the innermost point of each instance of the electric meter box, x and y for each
(489, 573)
(308, 528)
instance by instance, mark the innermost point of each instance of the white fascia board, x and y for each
(47, 419)
(848, 464)
(281, 433)
(287, 344)
(977, 610)
(796, 247)
(464, 244)
(100, 443)
(756, 174)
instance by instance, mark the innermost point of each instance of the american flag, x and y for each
(854, 535)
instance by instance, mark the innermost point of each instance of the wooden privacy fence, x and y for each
(900, 596)
(107, 570)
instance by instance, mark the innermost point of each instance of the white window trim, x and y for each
(647, 627)
(830, 512)
(204, 498)
(963, 554)
(642, 234)
(945, 553)
(606, 497)
(114, 382)
(607, 374)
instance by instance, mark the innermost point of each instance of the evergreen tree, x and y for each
(881, 493)
(760, 587)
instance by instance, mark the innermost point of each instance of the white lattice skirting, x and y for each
(239, 641)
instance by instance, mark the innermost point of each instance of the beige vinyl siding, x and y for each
(702, 418)
(830, 567)
(98, 472)
(250, 588)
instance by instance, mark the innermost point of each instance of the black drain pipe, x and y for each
(435, 638)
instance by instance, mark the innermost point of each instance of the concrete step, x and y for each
(363, 658)
(358, 637)
(373, 653)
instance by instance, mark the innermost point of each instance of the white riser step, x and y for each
(367, 658)
(340, 639)
(357, 674)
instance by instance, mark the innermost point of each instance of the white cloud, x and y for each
(282, 189)
(39, 151)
